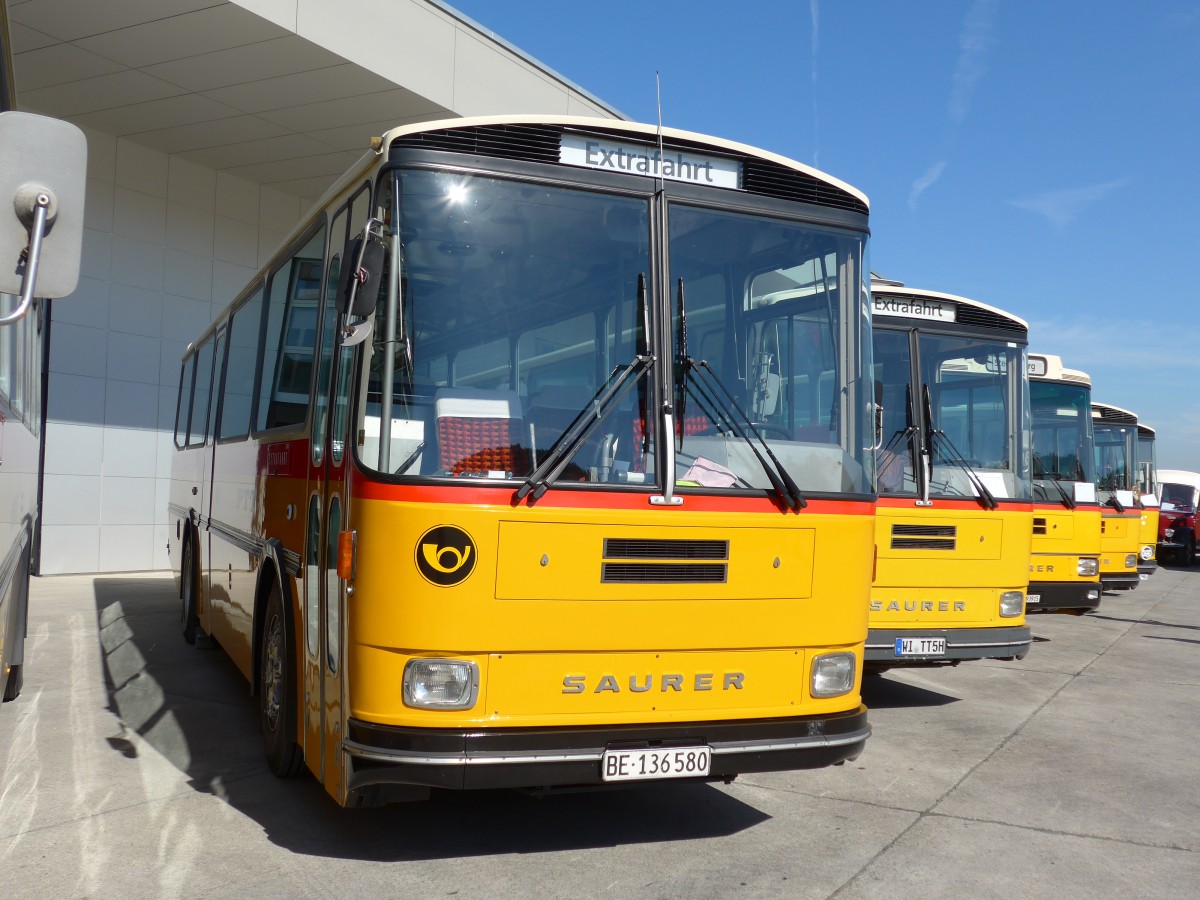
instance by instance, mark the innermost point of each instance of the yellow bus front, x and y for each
(954, 518)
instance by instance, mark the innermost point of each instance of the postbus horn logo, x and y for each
(445, 555)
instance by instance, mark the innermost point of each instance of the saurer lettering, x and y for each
(919, 605)
(640, 684)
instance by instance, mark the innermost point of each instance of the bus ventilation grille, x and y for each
(665, 561)
(1039, 525)
(540, 143)
(924, 537)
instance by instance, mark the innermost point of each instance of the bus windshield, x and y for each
(522, 310)
(1062, 436)
(1115, 455)
(978, 411)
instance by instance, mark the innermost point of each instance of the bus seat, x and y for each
(478, 432)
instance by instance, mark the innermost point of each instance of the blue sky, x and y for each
(1037, 156)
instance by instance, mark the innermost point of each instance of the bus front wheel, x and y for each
(188, 621)
(277, 693)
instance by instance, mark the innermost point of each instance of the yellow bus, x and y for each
(1121, 517)
(1064, 571)
(1147, 499)
(539, 456)
(954, 517)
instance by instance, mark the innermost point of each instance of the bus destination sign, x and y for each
(639, 159)
(1037, 365)
(913, 307)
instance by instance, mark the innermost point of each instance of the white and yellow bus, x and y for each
(1121, 516)
(540, 455)
(43, 165)
(1064, 571)
(954, 518)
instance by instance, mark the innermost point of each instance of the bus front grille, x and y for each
(663, 573)
(924, 537)
(666, 561)
(1039, 525)
(643, 548)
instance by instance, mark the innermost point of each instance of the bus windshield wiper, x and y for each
(739, 423)
(1115, 503)
(610, 393)
(1068, 502)
(986, 500)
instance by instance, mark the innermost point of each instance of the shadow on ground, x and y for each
(194, 708)
(880, 692)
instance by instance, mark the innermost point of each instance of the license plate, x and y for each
(1033, 598)
(920, 646)
(655, 762)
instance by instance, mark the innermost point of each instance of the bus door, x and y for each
(325, 592)
(209, 357)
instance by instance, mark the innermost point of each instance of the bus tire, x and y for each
(1189, 552)
(277, 694)
(18, 596)
(188, 620)
(12, 687)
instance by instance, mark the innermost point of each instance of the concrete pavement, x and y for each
(131, 767)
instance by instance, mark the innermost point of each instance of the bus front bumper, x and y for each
(1062, 596)
(961, 644)
(1122, 582)
(482, 758)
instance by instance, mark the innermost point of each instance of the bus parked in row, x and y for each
(1064, 571)
(1121, 516)
(541, 455)
(1147, 498)
(954, 517)
(43, 166)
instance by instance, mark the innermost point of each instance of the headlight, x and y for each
(1147, 553)
(1088, 568)
(1131, 561)
(440, 684)
(1012, 603)
(833, 674)
(1168, 533)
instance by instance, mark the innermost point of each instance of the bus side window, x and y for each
(239, 370)
(293, 299)
(184, 409)
(201, 393)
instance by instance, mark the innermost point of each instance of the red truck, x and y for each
(1179, 493)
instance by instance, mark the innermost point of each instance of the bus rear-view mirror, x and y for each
(43, 176)
(358, 284)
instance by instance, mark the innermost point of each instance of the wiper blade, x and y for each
(744, 428)
(610, 393)
(1067, 500)
(724, 402)
(685, 364)
(1115, 503)
(986, 499)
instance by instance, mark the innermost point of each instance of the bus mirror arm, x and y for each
(358, 284)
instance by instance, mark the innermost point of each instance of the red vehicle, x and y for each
(1177, 526)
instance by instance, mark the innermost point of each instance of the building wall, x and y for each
(167, 244)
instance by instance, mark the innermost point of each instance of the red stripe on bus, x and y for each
(940, 503)
(502, 496)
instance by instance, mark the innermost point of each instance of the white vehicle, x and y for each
(43, 164)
